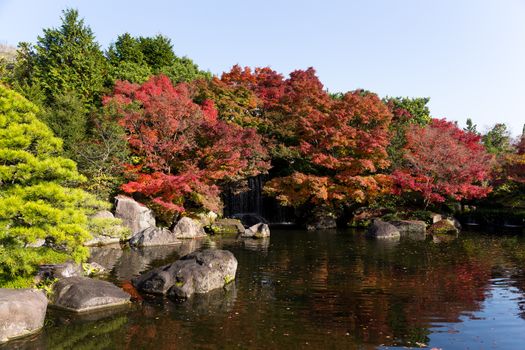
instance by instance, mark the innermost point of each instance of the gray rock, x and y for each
(65, 270)
(198, 272)
(188, 228)
(154, 236)
(413, 229)
(37, 244)
(259, 230)
(80, 294)
(22, 312)
(383, 230)
(137, 217)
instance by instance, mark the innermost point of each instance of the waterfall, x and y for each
(253, 201)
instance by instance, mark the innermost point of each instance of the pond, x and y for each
(319, 290)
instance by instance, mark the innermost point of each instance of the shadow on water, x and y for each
(326, 289)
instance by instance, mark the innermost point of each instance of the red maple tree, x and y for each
(182, 151)
(443, 162)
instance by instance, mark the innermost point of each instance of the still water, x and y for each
(319, 290)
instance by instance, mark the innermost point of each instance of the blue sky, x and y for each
(468, 56)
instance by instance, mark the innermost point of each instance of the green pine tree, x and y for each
(38, 194)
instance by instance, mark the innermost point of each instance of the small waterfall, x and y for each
(254, 202)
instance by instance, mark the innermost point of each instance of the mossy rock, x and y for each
(443, 227)
(226, 227)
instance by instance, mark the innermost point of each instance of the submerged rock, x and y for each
(198, 272)
(383, 230)
(259, 230)
(413, 229)
(22, 312)
(188, 228)
(81, 294)
(227, 226)
(134, 215)
(154, 236)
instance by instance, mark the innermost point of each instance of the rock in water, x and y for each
(154, 236)
(443, 231)
(259, 230)
(198, 272)
(444, 226)
(227, 227)
(383, 230)
(188, 228)
(137, 217)
(80, 294)
(413, 229)
(22, 312)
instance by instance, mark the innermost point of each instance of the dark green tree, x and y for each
(68, 59)
(157, 51)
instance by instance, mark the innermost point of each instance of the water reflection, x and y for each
(324, 290)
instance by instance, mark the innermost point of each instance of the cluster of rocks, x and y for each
(141, 223)
(442, 229)
(22, 311)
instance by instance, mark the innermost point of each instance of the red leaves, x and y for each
(184, 150)
(443, 161)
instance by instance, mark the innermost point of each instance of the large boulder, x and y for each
(134, 215)
(383, 230)
(227, 227)
(80, 294)
(413, 229)
(259, 230)
(154, 236)
(188, 228)
(22, 312)
(198, 272)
